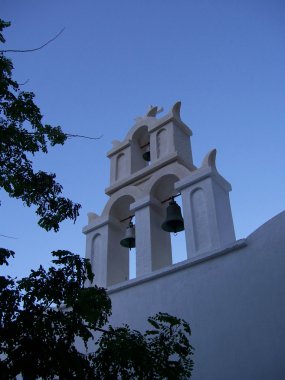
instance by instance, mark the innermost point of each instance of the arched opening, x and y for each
(120, 167)
(132, 258)
(121, 260)
(178, 241)
(140, 144)
(175, 244)
(96, 257)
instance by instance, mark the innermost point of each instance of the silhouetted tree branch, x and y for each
(69, 135)
(35, 49)
(9, 237)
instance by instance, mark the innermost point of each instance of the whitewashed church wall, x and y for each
(234, 301)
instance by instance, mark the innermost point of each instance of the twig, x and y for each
(9, 237)
(84, 137)
(23, 84)
(30, 50)
(69, 135)
(104, 331)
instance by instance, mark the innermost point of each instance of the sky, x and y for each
(223, 59)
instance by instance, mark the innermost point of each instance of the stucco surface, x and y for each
(234, 302)
(232, 292)
(141, 190)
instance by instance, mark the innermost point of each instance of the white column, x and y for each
(117, 256)
(96, 252)
(109, 260)
(207, 212)
(153, 245)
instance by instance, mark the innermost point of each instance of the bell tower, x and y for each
(148, 169)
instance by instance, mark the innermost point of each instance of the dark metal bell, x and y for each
(146, 155)
(129, 241)
(174, 221)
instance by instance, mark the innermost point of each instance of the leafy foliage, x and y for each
(22, 134)
(43, 317)
(164, 352)
(38, 334)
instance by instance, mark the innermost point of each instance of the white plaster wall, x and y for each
(183, 146)
(164, 143)
(96, 252)
(224, 214)
(137, 161)
(120, 164)
(234, 301)
(118, 256)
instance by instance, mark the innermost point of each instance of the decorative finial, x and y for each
(153, 111)
(91, 216)
(210, 159)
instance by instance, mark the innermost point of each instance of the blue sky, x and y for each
(224, 59)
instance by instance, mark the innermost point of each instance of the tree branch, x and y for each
(30, 50)
(69, 135)
(9, 237)
(23, 84)
(105, 331)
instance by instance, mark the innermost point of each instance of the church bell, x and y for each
(129, 241)
(146, 155)
(174, 221)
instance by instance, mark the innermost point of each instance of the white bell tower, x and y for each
(139, 188)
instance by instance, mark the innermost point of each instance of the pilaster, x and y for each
(207, 212)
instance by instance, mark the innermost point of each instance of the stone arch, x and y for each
(118, 256)
(161, 190)
(120, 208)
(148, 122)
(139, 141)
(163, 187)
(175, 170)
(131, 191)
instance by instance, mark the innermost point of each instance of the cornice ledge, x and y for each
(98, 223)
(167, 119)
(200, 174)
(143, 172)
(120, 146)
(203, 257)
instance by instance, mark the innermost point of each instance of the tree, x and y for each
(43, 316)
(23, 133)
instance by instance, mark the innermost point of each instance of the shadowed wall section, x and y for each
(200, 220)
